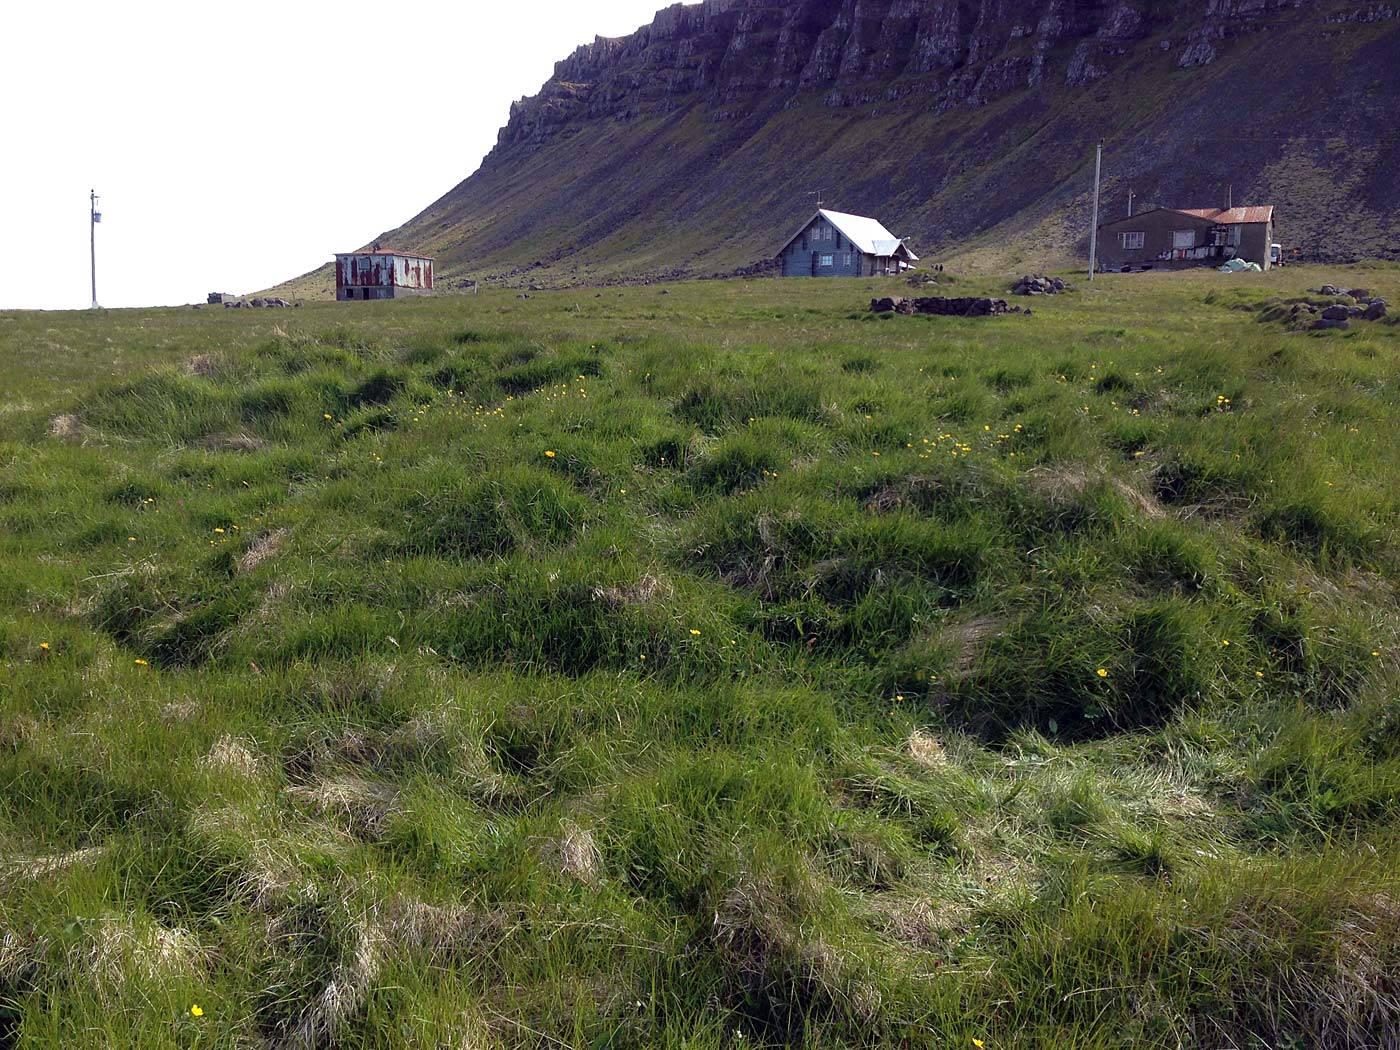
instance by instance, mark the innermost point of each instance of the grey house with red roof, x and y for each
(1179, 237)
(835, 244)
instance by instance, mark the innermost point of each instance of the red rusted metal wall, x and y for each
(383, 270)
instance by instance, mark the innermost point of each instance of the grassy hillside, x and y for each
(705, 667)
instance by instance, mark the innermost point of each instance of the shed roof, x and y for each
(867, 235)
(1233, 216)
(387, 251)
(1218, 216)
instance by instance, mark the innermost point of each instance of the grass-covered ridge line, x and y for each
(645, 669)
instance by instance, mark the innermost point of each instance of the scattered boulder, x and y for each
(259, 303)
(1036, 284)
(1336, 313)
(1328, 289)
(940, 307)
(1324, 323)
(1376, 309)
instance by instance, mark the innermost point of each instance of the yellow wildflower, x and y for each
(196, 1011)
(694, 632)
(218, 530)
(549, 453)
(43, 645)
(1102, 672)
(140, 662)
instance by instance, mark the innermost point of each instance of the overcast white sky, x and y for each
(236, 145)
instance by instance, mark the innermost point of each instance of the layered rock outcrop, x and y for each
(860, 52)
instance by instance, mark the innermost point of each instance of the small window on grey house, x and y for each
(825, 260)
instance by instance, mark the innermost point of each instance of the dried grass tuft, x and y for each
(648, 590)
(361, 806)
(576, 854)
(67, 425)
(403, 927)
(926, 750)
(117, 951)
(232, 443)
(234, 756)
(21, 870)
(262, 548)
(204, 365)
(1063, 484)
(777, 958)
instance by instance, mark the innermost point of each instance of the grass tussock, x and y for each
(705, 671)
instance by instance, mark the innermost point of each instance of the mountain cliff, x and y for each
(698, 143)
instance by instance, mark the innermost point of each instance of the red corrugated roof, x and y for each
(1232, 216)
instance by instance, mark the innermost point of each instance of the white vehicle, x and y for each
(1275, 255)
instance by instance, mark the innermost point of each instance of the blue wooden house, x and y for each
(834, 244)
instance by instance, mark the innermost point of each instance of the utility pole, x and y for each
(1094, 230)
(95, 217)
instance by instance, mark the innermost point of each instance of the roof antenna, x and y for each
(817, 194)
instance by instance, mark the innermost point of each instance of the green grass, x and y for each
(723, 667)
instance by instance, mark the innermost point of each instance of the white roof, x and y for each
(868, 235)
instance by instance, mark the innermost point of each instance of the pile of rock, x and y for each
(970, 307)
(1035, 284)
(259, 303)
(1353, 304)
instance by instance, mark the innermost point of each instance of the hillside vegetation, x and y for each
(708, 667)
(700, 143)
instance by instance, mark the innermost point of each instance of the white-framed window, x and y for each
(825, 260)
(1132, 241)
(1183, 238)
(847, 263)
(1235, 232)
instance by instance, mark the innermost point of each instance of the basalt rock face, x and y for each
(696, 144)
(859, 52)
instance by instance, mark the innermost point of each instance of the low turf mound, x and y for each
(711, 667)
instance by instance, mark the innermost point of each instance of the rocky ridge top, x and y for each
(863, 52)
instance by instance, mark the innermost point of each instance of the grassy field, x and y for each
(715, 665)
